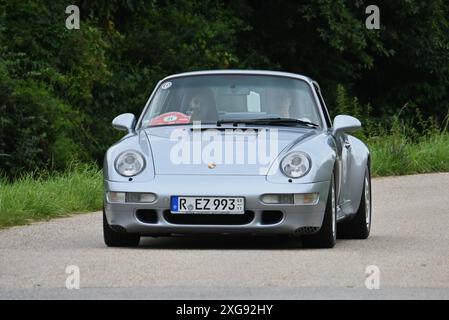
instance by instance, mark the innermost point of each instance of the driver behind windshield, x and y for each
(202, 107)
(285, 106)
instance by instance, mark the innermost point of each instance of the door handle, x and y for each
(347, 145)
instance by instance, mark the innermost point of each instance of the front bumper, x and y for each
(295, 218)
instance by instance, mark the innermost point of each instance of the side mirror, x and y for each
(124, 122)
(343, 123)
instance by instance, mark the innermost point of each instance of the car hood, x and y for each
(181, 150)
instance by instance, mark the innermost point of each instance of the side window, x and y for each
(323, 105)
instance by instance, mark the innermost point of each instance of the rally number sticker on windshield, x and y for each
(170, 118)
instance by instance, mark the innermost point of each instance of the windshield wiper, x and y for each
(276, 121)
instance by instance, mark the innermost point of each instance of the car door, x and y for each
(346, 159)
(343, 150)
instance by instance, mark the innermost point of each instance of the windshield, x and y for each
(224, 98)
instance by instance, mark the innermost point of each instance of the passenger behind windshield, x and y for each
(284, 106)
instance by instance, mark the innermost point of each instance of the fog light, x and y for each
(277, 198)
(115, 197)
(140, 197)
(306, 198)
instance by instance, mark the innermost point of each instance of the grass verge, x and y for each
(39, 197)
(398, 155)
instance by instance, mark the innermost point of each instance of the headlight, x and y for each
(295, 164)
(129, 163)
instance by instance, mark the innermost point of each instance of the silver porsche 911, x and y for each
(237, 152)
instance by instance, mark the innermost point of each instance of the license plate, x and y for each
(207, 205)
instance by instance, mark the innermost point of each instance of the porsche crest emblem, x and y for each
(211, 165)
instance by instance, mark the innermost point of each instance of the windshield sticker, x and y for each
(166, 85)
(170, 118)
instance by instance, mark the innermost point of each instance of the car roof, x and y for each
(239, 71)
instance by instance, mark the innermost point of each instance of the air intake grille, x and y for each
(271, 217)
(213, 219)
(306, 230)
(147, 215)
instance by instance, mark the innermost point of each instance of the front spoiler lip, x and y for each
(251, 187)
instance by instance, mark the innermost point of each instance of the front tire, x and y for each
(118, 239)
(327, 235)
(359, 226)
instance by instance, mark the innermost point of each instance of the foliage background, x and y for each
(60, 88)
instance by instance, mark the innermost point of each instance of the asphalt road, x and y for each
(409, 244)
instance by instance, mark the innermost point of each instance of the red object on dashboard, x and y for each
(170, 118)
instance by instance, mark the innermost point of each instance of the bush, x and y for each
(38, 130)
